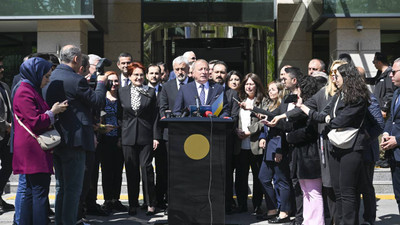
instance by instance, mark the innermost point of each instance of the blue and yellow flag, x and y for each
(218, 105)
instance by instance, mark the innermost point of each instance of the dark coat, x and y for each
(306, 159)
(188, 93)
(138, 127)
(76, 123)
(347, 115)
(393, 126)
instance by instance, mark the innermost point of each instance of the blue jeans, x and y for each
(34, 207)
(69, 164)
(19, 197)
(279, 172)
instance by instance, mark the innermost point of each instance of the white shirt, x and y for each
(206, 89)
(123, 80)
(178, 83)
(245, 120)
(157, 87)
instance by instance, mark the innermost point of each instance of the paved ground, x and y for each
(387, 214)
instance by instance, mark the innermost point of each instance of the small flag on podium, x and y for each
(218, 105)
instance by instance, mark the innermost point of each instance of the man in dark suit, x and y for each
(290, 79)
(167, 101)
(200, 89)
(391, 136)
(5, 128)
(76, 128)
(124, 59)
(219, 75)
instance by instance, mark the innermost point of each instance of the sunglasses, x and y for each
(332, 73)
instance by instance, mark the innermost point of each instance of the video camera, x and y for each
(103, 62)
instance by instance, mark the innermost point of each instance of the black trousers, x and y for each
(328, 196)
(112, 163)
(346, 168)
(395, 170)
(161, 157)
(6, 164)
(243, 161)
(89, 165)
(368, 192)
(139, 158)
(91, 195)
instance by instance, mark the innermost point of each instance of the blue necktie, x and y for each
(202, 95)
(397, 104)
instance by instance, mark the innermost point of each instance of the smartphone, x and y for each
(291, 98)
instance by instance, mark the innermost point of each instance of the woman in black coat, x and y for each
(139, 123)
(347, 109)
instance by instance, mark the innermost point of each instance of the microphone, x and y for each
(208, 114)
(197, 103)
(185, 112)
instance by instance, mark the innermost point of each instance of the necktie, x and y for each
(126, 82)
(202, 95)
(397, 104)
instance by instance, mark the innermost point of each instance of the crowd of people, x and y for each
(281, 133)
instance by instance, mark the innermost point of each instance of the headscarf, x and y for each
(33, 70)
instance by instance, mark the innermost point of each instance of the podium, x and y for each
(196, 166)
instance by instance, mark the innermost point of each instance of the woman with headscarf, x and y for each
(29, 158)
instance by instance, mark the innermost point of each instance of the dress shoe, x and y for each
(132, 211)
(107, 206)
(96, 210)
(265, 216)
(117, 205)
(279, 220)
(150, 211)
(5, 206)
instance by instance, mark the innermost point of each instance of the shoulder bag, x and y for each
(48, 140)
(343, 138)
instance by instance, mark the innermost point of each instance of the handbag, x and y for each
(343, 138)
(48, 140)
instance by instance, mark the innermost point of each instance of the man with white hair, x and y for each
(190, 56)
(93, 60)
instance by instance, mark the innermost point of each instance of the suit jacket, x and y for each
(4, 110)
(29, 157)
(188, 93)
(139, 127)
(76, 123)
(392, 125)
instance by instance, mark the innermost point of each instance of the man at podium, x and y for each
(200, 92)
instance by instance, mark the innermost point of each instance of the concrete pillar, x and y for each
(294, 43)
(360, 44)
(124, 30)
(54, 34)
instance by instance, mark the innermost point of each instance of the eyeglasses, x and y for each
(394, 71)
(332, 73)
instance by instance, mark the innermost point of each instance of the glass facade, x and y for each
(249, 11)
(362, 8)
(36, 9)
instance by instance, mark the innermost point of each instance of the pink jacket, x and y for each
(30, 107)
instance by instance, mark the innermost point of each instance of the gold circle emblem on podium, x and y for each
(196, 146)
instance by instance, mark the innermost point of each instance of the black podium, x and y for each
(196, 166)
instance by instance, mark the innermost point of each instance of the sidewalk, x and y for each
(386, 215)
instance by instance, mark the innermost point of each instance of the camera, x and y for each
(103, 62)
